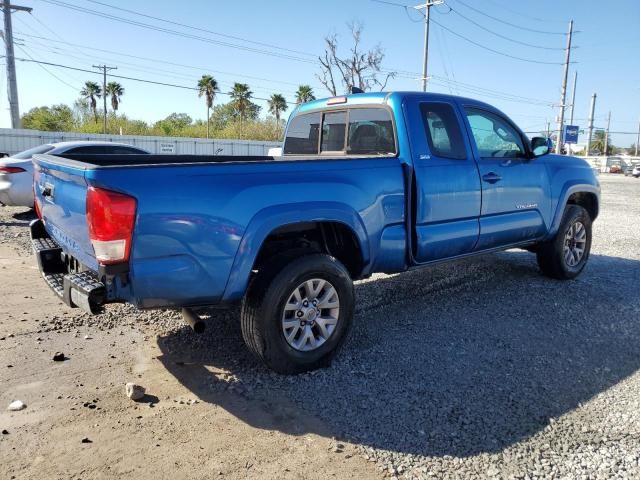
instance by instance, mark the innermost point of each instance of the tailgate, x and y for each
(61, 191)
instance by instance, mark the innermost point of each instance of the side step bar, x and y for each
(76, 289)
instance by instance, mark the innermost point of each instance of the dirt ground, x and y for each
(170, 434)
(481, 368)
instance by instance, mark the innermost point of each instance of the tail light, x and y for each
(11, 170)
(110, 216)
(36, 202)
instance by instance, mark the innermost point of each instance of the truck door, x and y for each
(447, 184)
(514, 187)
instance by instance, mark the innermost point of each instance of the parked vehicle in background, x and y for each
(16, 171)
(615, 169)
(636, 171)
(373, 182)
(629, 169)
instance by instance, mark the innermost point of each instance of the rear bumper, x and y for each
(80, 289)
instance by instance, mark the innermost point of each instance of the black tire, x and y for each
(263, 306)
(550, 255)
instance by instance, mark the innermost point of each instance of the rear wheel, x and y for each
(565, 256)
(297, 312)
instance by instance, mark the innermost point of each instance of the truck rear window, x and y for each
(369, 131)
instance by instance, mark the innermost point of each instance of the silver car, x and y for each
(16, 171)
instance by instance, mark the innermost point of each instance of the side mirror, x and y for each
(541, 146)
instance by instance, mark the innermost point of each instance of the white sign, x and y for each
(167, 148)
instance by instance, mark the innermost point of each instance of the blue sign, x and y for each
(571, 133)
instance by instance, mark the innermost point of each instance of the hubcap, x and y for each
(575, 241)
(311, 314)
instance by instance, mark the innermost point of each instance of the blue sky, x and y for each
(607, 53)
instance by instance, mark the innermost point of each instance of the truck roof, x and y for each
(369, 98)
(372, 98)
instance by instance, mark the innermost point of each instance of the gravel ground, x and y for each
(481, 368)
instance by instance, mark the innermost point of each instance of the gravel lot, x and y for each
(481, 368)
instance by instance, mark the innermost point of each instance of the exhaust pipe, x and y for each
(193, 320)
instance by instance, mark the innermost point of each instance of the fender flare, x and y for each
(563, 199)
(269, 219)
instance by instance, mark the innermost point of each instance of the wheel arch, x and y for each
(324, 218)
(585, 195)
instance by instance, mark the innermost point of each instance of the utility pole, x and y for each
(591, 114)
(573, 104)
(426, 6)
(606, 134)
(104, 69)
(563, 91)
(548, 130)
(12, 83)
(637, 139)
(573, 97)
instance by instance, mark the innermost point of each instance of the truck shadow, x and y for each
(458, 359)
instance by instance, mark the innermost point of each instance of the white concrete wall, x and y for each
(16, 140)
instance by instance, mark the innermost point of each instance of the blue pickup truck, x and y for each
(373, 182)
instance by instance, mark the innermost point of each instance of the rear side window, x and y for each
(443, 131)
(32, 151)
(356, 131)
(303, 134)
(334, 126)
(125, 150)
(89, 149)
(370, 131)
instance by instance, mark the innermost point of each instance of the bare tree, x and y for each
(357, 69)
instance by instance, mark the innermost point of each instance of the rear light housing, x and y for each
(11, 169)
(110, 216)
(336, 100)
(36, 202)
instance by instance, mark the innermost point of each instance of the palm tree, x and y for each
(115, 91)
(208, 86)
(304, 94)
(90, 92)
(277, 105)
(241, 100)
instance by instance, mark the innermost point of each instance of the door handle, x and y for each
(491, 177)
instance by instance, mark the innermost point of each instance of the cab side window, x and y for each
(494, 136)
(443, 131)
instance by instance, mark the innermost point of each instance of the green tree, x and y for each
(174, 124)
(304, 94)
(226, 114)
(241, 100)
(208, 86)
(597, 143)
(277, 105)
(115, 91)
(57, 118)
(90, 92)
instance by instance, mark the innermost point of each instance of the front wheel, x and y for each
(297, 313)
(565, 255)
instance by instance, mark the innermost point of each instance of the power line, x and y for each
(165, 84)
(171, 22)
(543, 20)
(519, 27)
(174, 32)
(130, 66)
(46, 69)
(493, 50)
(504, 37)
(155, 60)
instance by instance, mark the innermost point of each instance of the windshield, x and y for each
(32, 151)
